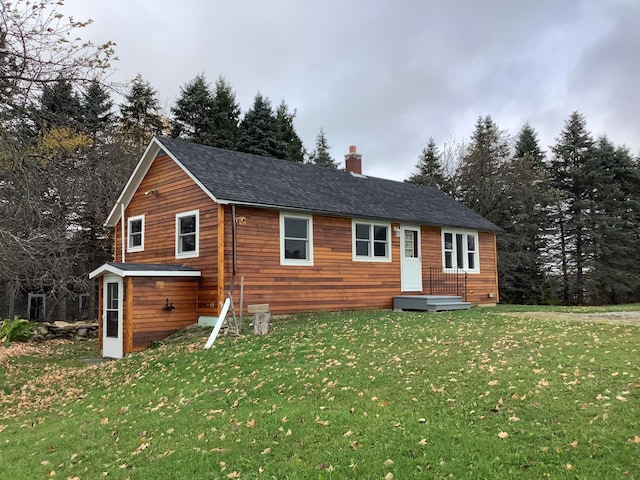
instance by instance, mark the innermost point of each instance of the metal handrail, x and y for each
(451, 282)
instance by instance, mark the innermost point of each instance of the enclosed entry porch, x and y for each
(140, 303)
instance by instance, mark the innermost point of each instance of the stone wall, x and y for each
(70, 330)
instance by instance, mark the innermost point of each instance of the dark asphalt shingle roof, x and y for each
(238, 177)
(151, 267)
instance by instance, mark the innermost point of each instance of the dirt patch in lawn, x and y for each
(613, 318)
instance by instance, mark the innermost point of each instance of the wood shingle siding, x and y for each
(177, 193)
(151, 321)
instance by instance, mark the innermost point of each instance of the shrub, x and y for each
(15, 330)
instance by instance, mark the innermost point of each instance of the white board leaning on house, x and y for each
(216, 328)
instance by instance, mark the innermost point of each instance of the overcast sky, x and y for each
(385, 75)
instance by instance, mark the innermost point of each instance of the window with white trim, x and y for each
(371, 241)
(296, 239)
(460, 251)
(187, 234)
(135, 234)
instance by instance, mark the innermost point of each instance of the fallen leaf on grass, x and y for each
(348, 433)
(503, 435)
(324, 423)
(422, 442)
(355, 445)
(233, 475)
(140, 449)
(388, 476)
(621, 398)
(266, 451)
(635, 439)
(388, 462)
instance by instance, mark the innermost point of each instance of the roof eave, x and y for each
(108, 268)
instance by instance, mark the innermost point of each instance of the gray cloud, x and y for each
(387, 75)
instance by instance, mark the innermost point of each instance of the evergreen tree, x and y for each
(259, 130)
(140, 112)
(59, 107)
(570, 170)
(479, 175)
(289, 140)
(430, 171)
(525, 222)
(226, 116)
(321, 156)
(193, 112)
(97, 112)
(614, 193)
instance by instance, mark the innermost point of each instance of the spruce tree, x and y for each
(321, 156)
(226, 116)
(140, 112)
(289, 141)
(479, 175)
(525, 222)
(59, 107)
(259, 130)
(570, 170)
(429, 168)
(193, 112)
(614, 194)
(97, 115)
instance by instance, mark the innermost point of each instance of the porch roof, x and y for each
(145, 270)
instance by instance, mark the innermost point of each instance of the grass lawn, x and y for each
(484, 394)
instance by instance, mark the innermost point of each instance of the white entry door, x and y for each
(410, 259)
(112, 317)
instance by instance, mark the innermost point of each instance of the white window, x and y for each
(371, 241)
(296, 239)
(187, 234)
(460, 251)
(136, 234)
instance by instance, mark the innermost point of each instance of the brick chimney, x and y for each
(353, 161)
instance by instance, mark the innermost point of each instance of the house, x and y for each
(192, 220)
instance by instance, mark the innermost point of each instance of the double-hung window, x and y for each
(460, 251)
(187, 234)
(136, 234)
(371, 241)
(296, 239)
